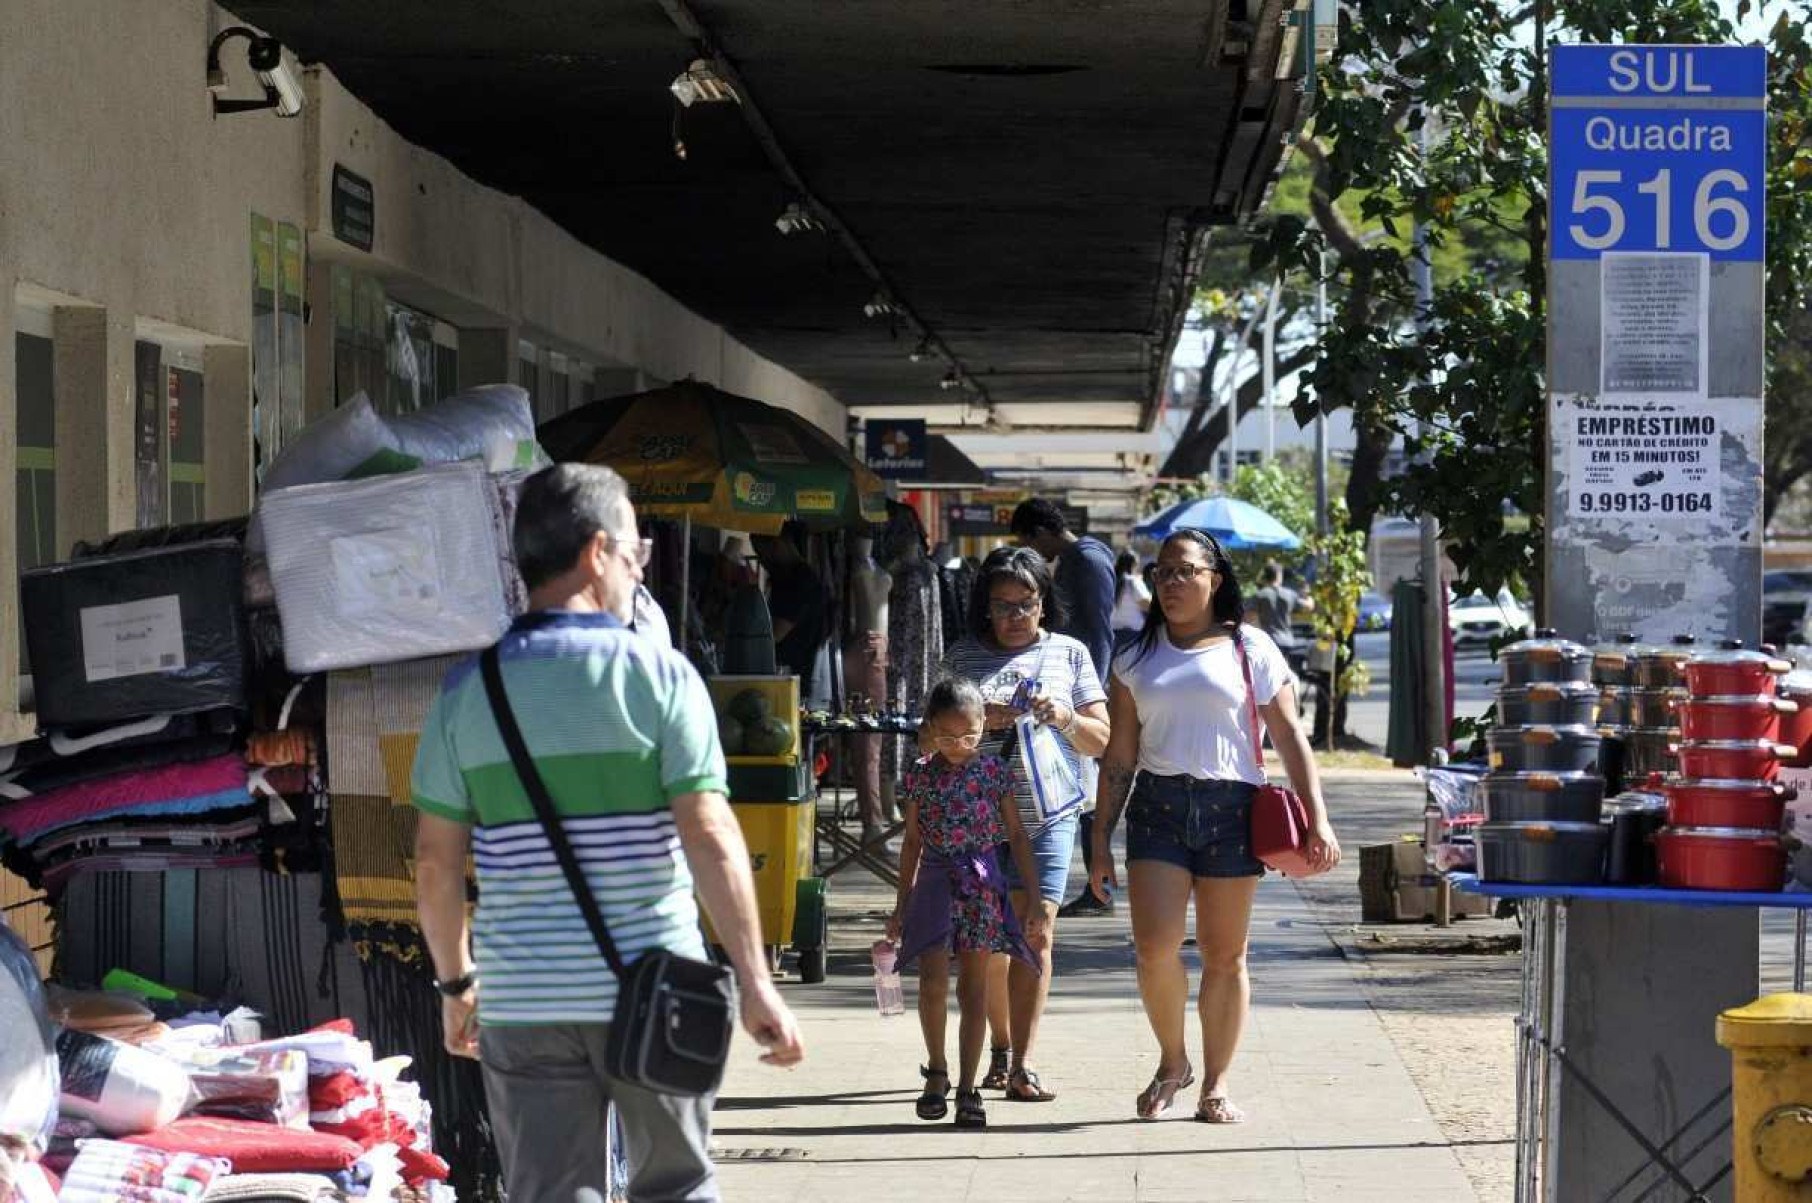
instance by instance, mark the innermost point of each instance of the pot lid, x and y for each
(1540, 779)
(1732, 651)
(1731, 700)
(1539, 830)
(1731, 745)
(1728, 784)
(1681, 648)
(1773, 1021)
(1547, 645)
(1635, 804)
(1545, 732)
(1557, 689)
(1664, 734)
(1727, 833)
(1624, 644)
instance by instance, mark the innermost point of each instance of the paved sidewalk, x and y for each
(1335, 1113)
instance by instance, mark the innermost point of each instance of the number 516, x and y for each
(1705, 207)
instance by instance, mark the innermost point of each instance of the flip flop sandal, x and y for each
(1000, 1060)
(931, 1104)
(1155, 1099)
(1219, 1110)
(1023, 1086)
(969, 1110)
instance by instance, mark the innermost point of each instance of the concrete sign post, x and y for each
(1655, 338)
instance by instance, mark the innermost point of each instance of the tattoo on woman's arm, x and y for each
(1118, 778)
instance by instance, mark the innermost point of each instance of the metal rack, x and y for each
(1541, 1051)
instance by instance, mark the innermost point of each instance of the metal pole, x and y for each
(1799, 951)
(1239, 359)
(1434, 590)
(685, 582)
(1270, 365)
(1557, 1043)
(1321, 419)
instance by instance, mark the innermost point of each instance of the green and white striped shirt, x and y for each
(618, 728)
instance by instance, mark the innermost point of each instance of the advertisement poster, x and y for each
(1652, 458)
(1654, 324)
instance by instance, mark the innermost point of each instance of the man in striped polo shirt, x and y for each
(624, 735)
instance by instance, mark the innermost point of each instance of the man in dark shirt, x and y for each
(800, 609)
(1084, 581)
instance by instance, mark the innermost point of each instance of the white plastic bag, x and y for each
(28, 1058)
(351, 441)
(492, 422)
(1055, 785)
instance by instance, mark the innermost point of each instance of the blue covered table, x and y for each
(1541, 1054)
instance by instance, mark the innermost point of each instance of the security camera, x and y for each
(279, 80)
(282, 88)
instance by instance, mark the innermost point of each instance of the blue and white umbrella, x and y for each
(1239, 525)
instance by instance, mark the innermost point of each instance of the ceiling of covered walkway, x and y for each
(1027, 182)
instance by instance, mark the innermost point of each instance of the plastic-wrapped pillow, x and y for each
(352, 441)
(492, 422)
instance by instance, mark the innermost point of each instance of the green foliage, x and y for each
(1465, 387)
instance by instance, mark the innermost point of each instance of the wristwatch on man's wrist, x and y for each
(454, 987)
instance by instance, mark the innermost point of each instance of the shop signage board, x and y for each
(1654, 508)
(895, 448)
(354, 208)
(1656, 215)
(984, 518)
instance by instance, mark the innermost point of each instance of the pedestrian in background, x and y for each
(953, 900)
(626, 739)
(1132, 598)
(1085, 582)
(1183, 699)
(1007, 646)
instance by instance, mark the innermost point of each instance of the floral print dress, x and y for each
(959, 898)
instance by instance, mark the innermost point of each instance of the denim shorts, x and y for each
(1202, 826)
(1051, 852)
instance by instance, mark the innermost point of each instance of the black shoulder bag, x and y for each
(674, 1015)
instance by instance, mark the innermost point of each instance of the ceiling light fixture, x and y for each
(282, 90)
(922, 352)
(700, 83)
(950, 381)
(796, 218)
(879, 305)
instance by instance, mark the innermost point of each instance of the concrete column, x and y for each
(487, 355)
(94, 395)
(226, 375)
(12, 726)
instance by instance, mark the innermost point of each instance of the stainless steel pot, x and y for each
(1634, 819)
(1648, 750)
(1541, 797)
(1611, 661)
(1652, 707)
(1661, 667)
(1544, 749)
(1549, 703)
(1543, 853)
(1546, 657)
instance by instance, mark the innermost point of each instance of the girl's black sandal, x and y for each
(969, 1110)
(931, 1104)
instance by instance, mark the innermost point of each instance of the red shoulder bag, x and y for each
(1280, 819)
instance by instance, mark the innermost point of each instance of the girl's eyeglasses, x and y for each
(972, 740)
(1007, 609)
(1163, 574)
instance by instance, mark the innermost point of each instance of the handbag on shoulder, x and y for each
(1280, 819)
(670, 1032)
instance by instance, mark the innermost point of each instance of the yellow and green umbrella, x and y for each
(691, 451)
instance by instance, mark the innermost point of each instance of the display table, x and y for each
(850, 849)
(1541, 1038)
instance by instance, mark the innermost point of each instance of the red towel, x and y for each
(254, 1148)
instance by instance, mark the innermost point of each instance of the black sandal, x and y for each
(969, 1110)
(931, 1104)
(1023, 1086)
(1000, 1060)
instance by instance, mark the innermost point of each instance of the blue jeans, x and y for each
(1204, 826)
(1051, 851)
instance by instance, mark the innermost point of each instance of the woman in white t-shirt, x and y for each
(1132, 600)
(1182, 730)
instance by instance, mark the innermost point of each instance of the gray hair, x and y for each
(562, 509)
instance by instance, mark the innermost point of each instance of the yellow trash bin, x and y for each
(1770, 1041)
(779, 836)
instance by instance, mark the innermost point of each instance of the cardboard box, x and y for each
(1395, 886)
(1418, 899)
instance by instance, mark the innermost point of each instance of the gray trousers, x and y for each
(549, 1095)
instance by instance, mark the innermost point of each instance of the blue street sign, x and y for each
(1658, 148)
(895, 447)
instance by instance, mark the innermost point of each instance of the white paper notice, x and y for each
(386, 573)
(132, 639)
(1654, 324)
(1651, 460)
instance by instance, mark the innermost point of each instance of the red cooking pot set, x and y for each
(1738, 726)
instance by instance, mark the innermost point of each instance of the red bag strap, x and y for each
(1245, 668)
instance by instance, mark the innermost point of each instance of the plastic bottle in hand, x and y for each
(890, 996)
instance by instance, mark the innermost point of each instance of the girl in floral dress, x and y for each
(953, 895)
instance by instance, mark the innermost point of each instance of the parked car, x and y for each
(1785, 594)
(1479, 619)
(1374, 611)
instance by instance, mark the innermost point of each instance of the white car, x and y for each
(1480, 619)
